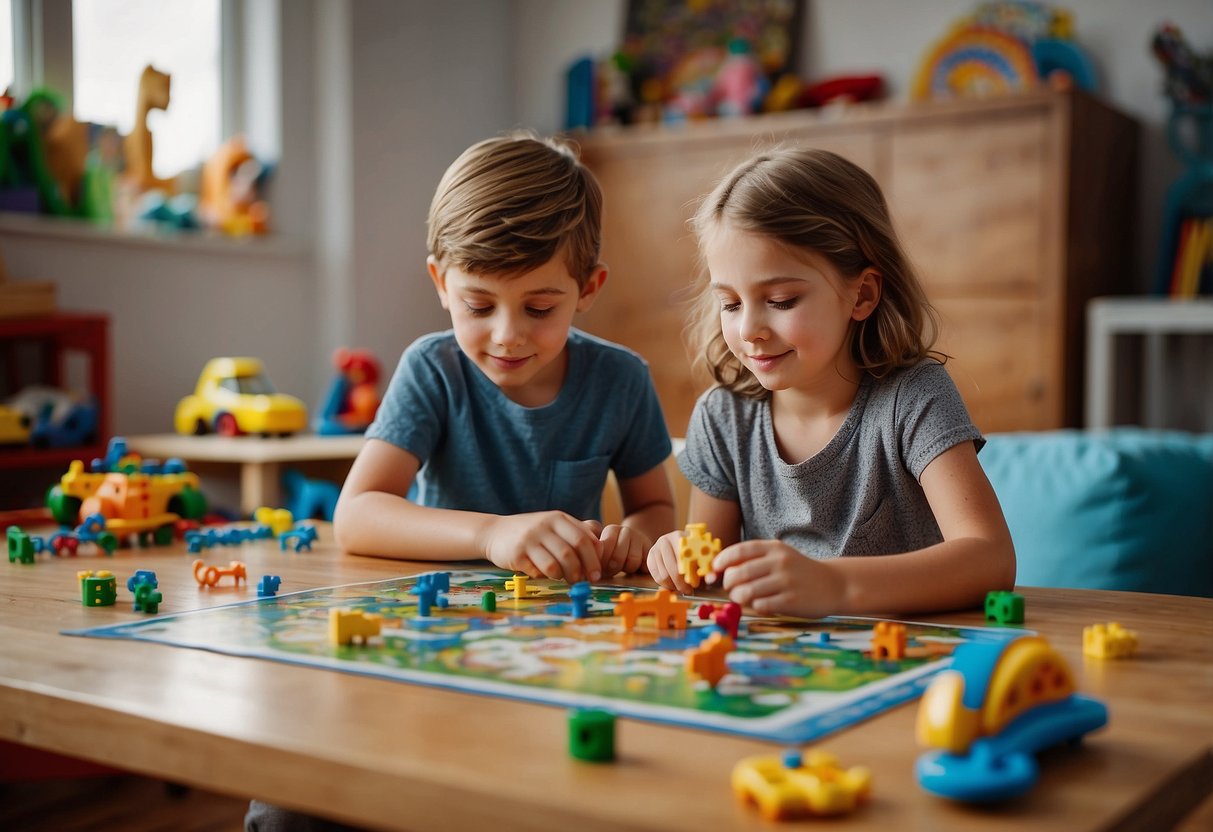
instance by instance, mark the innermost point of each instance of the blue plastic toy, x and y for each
(986, 718)
(267, 587)
(309, 499)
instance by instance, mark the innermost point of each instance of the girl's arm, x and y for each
(372, 518)
(723, 519)
(648, 509)
(976, 556)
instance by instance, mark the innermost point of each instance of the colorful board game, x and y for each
(788, 680)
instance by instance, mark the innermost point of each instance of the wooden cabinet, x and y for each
(1016, 211)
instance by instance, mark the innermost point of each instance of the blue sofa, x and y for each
(1124, 509)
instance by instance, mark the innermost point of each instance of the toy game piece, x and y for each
(426, 590)
(708, 661)
(727, 618)
(352, 399)
(1001, 702)
(98, 589)
(141, 576)
(267, 587)
(278, 519)
(147, 598)
(488, 601)
(210, 575)
(668, 613)
(303, 535)
(796, 788)
(579, 594)
(347, 626)
(518, 584)
(20, 546)
(1004, 607)
(1110, 641)
(92, 530)
(696, 551)
(592, 735)
(889, 640)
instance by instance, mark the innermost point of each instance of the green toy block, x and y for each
(147, 598)
(1004, 607)
(20, 546)
(488, 602)
(592, 735)
(99, 589)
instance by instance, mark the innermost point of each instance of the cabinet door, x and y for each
(650, 190)
(1000, 363)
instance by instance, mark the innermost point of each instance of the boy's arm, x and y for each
(976, 556)
(373, 519)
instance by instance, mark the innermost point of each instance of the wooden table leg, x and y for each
(259, 486)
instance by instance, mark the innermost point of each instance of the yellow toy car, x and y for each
(794, 787)
(234, 397)
(14, 426)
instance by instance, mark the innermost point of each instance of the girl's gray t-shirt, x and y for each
(860, 494)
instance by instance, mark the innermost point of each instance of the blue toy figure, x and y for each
(353, 396)
(309, 499)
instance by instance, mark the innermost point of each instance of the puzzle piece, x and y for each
(708, 661)
(696, 551)
(668, 612)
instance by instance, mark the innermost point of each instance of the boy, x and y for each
(510, 421)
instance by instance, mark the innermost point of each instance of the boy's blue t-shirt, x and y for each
(480, 451)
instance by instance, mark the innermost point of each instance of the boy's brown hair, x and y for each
(811, 199)
(510, 204)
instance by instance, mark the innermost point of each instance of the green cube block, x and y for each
(592, 735)
(1004, 607)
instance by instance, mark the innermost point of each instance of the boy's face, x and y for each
(515, 328)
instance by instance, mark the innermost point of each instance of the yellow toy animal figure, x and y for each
(153, 95)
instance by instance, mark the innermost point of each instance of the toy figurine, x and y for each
(353, 397)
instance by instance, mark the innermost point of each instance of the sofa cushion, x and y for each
(1127, 508)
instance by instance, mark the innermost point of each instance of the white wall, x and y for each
(890, 36)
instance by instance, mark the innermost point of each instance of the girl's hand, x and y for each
(663, 564)
(771, 577)
(548, 544)
(623, 549)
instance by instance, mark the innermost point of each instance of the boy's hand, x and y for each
(623, 549)
(773, 578)
(663, 564)
(551, 544)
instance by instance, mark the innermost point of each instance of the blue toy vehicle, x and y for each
(987, 717)
(72, 427)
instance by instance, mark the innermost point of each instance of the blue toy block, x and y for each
(267, 587)
(141, 576)
(579, 594)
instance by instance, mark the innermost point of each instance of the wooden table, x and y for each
(392, 755)
(260, 459)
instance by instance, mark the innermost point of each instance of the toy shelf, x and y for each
(56, 336)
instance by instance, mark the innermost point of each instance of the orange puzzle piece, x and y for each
(889, 640)
(669, 613)
(708, 661)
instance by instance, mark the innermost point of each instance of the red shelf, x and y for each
(23, 456)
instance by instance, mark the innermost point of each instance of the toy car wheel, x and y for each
(226, 425)
(200, 428)
(65, 509)
(189, 504)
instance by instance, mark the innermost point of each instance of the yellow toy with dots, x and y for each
(696, 551)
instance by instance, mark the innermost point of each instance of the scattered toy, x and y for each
(889, 640)
(1004, 607)
(278, 519)
(579, 595)
(303, 535)
(1108, 641)
(347, 626)
(592, 735)
(267, 587)
(147, 598)
(668, 612)
(488, 601)
(708, 661)
(98, 589)
(696, 551)
(210, 575)
(794, 787)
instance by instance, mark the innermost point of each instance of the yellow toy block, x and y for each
(278, 519)
(790, 788)
(518, 584)
(1108, 641)
(696, 551)
(347, 626)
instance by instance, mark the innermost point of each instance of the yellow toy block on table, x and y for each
(1108, 641)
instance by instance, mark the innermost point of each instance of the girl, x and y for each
(834, 458)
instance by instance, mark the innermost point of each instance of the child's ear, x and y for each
(439, 277)
(868, 296)
(592, 287)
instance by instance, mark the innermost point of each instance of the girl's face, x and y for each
(786, 313)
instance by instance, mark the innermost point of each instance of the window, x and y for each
(112, 42)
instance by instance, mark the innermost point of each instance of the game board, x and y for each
(789, 680)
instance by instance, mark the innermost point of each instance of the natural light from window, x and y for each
(7, 64)
(115, 39)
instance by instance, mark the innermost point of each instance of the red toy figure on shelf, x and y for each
(353, 397)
